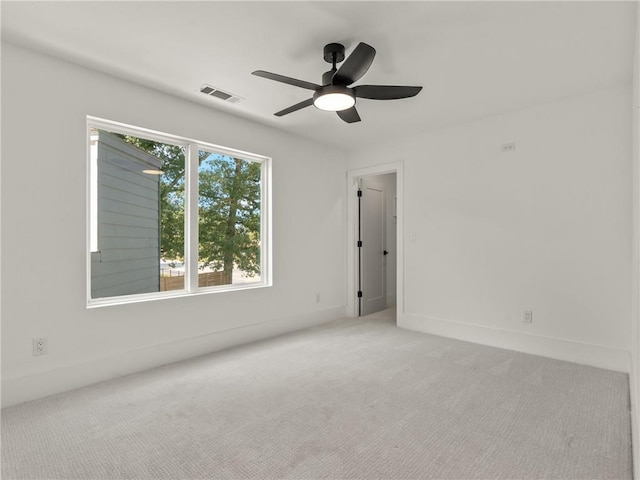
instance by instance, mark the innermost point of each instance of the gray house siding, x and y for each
(128, 230)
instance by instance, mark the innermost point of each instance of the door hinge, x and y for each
(360, 294)
(359, 193)
(359, 243)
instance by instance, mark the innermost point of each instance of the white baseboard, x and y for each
(20, 389)
(586, 354)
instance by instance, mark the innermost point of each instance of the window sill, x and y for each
(148, 297)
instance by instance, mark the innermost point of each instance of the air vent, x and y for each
(220, 94)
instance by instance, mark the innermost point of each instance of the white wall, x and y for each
(44, 106)
(545, 227)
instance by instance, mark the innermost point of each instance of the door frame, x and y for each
(352, 233)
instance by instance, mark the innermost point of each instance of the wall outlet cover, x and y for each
(40, 346)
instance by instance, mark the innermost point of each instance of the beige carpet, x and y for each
(351, 399)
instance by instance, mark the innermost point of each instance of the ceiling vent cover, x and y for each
(220, 94)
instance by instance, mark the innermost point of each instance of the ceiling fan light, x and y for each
(334, 99)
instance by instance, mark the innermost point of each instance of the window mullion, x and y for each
(265, 224)
(191, 219)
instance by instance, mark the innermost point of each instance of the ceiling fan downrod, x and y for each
(333, 54)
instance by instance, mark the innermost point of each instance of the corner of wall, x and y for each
(634, 373)
(570, 351)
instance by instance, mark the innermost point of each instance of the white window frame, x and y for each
(191, 213)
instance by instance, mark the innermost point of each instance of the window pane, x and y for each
(137, 215)
(229, 204)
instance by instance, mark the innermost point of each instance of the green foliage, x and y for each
(172, 189)
(229, 214)
(229, 208)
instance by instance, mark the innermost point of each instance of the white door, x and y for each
(372, 252)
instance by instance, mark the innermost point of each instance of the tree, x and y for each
(229, 215)
(228, 208)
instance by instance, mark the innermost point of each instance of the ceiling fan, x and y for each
(335, 93)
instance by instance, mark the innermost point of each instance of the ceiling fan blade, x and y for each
(385, 92)
(294, 108)
(288, 80)
(355, 66)
(349, 115)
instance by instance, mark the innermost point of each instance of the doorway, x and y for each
(374, 234)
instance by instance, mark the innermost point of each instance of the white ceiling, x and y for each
(473, 58)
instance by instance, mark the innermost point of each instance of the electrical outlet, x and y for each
(40, 346)
(527, 316)
(508, 147)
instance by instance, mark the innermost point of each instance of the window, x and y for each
(170, 216)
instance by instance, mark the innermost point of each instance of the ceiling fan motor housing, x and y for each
(327, 77)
